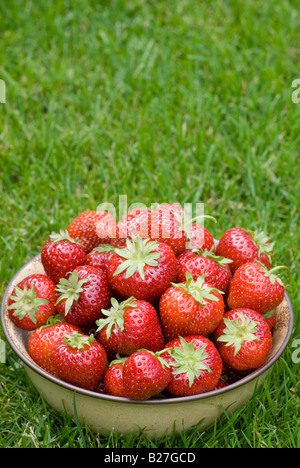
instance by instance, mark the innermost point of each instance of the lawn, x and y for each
(186, 101)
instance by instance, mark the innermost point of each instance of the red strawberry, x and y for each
(243, 246)
(113, 377)
(60, 255)
(144, 269)
(215, 269)
(199, 238)
(83, 295)
(195, 363)
(79, 360)
(243, 339)
(129, 326)
(190, 308)
(134, 225)
(43, 339)
(100, 256)
(167, 224)
(32, 302)
(255, 287)
(145, 374)
(92, 228)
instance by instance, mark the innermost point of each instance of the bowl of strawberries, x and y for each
(148, 323)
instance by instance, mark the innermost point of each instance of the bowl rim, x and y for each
(155, 401)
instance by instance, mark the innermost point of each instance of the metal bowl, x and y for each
(157, 417)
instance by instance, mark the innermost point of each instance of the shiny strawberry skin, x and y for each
(42, 340)
(182, 315)
(164, 227)
(251, 289)
(157, 278)
(45, 289)
(113, 379)
(252, 354)
(207, 380)
(90, 228)
(144, 376)
(95, 296)
(98, 259)
(197, 265)
(60, 258)
(83, 368)
(200, 238)
(237, 245)
(135, 224)
(142, 330)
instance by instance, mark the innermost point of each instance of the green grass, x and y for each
(162, 101)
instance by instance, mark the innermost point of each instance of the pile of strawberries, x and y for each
(148, 307)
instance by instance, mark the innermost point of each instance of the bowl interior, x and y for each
(18, 339)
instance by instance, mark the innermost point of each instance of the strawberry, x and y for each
(100, 256)
(113, 377)
(134, 225)
(60, 255)
(243, 339)
(91, 228)
(190, 308)
(144, 269)
(83, 295)
(243, 246)
(195, 364)
(167, 225)
(145, 374)
(79, 360)
(129, 326)
(204, 262)
(255, 287)
(32, 302)
(43, 339)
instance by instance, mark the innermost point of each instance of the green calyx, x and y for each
(103, 248)
(189, 360)
(138, 253)
(238, 331)
(26, 302)
(221, 261)
(197, 290)
(114, 315)
(270, 273)
(63, 236)
(70, 289)
(78, 341)
(118, 360)
(262, 242)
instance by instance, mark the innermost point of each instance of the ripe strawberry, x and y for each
(83, 295)
(199, 238)
(195, 364)
(243, 339)
(243, 246)
(190, 308)
(60, 255)
(32, 302)
(79, 360)
(204, 262)
(113, 377)
(134, 225)
(255, 287)
(167, 225)
(144, 269)
(129, 326)
(43, 339)
(145, 374)
(100, 256)
(92, 228)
